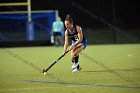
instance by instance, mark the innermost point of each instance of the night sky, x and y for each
(126, 11)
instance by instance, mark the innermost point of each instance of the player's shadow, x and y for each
(132, 69)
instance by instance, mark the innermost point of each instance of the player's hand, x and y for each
(64, 52)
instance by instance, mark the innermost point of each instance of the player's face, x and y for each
(68, 25)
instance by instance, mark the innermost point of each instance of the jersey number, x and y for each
(76, 37)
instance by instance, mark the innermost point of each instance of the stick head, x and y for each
(44, 70)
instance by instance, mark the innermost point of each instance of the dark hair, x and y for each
(69, 18)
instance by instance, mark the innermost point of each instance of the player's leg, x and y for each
(75, 57)
(56, 40)
(75, 52)
(61, 41)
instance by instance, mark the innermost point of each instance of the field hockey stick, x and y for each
(47, 69)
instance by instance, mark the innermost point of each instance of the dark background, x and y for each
(123, 14)
(126, 13)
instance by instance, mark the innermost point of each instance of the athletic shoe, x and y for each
(75, 70)
(75, 65)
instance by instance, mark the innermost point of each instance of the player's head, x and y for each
(68, 22)
(58, 19)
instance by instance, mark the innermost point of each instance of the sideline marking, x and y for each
(84, 84)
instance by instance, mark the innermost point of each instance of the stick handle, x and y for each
(56, 61)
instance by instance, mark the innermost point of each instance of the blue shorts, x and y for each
(84, 43)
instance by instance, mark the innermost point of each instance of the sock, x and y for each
(76, 59)
(78, 66)
(73, 61)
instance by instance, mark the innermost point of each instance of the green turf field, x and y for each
(105, 69)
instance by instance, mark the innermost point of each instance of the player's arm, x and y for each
(80, 35)
(66, 42)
